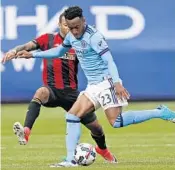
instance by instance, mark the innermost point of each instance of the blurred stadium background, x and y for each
(141, 36)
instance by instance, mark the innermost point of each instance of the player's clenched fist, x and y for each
(9, 56)
(24, 54)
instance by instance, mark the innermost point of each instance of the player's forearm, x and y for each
(28, 47)
(114, 72)
(52, 53)
(107, 57)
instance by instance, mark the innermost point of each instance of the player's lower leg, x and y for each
(99, 137)
(32, 113)
(102, 149)
(72, 135)
(23, 133)
(73, 131)
(133, 117)
(41, 96)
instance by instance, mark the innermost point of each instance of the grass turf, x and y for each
(150, 145)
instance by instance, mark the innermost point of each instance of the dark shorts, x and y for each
(65, 99)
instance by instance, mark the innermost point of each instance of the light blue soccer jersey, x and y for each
(92, 52)
(89, 49)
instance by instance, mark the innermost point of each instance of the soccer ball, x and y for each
(85, 154)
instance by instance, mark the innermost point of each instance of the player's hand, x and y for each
(122, 93)
(24, 54)
(9, 56)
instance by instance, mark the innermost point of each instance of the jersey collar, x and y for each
(61, 36)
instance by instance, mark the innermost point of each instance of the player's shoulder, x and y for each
(92, 32)
(49, 34)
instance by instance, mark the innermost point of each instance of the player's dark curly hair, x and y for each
(73, 12)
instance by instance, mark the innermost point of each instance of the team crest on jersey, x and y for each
(83, 43)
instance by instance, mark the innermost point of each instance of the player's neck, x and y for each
(62, 35)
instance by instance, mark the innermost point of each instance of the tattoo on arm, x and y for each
(28, 47)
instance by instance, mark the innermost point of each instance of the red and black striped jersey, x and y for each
(61, 72)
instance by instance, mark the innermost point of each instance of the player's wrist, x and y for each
(118, 81)
(33, 55)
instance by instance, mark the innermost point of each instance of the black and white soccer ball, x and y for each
(85, 154)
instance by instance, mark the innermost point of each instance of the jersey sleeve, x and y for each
(41, 41)
(51, 53)
(113, 70)
(98, 43)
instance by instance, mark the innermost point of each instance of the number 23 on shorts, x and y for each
(107, 97)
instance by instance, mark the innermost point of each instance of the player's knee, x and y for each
(84, 110)
(42, 94)
(71, 117)
(78, 111)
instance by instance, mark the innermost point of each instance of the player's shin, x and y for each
(97, 134)
(32, 114)
(73, 135)
(99, 137)
(100, 140)
(133, 117)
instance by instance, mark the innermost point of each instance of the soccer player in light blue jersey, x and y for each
(104, 86)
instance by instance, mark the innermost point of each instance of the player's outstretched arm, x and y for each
(55, 52)
(28, 47)
(11, 54)
(52, 53)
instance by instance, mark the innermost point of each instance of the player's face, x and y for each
(76, 26)
(63, 26)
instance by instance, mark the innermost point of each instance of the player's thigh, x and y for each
(42, 94)
(82, 106)
(69, 97)
(53, 100)
(111, 104)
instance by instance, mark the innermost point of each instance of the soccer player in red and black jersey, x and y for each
(59, 90)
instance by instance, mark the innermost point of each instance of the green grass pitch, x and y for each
(146, 146)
